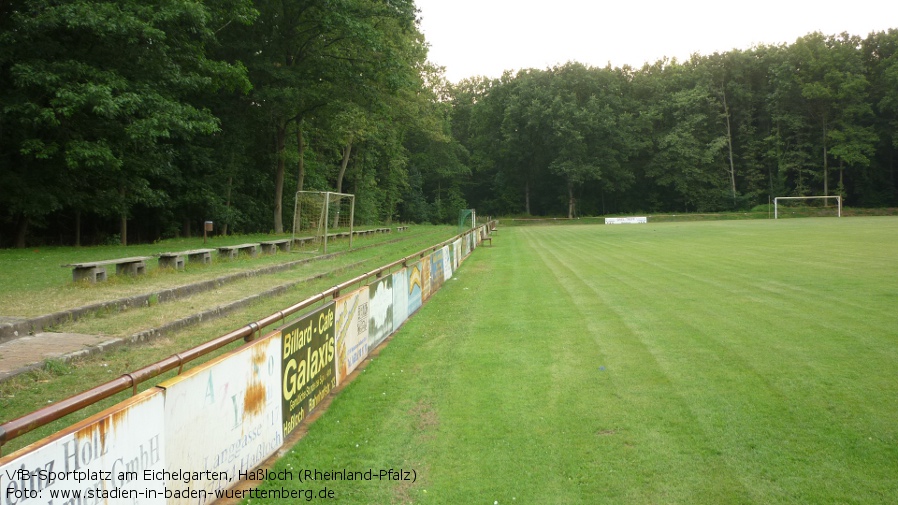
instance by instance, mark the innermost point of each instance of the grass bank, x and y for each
(28, 392)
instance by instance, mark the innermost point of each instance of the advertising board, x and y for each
(223, 418)
(380, 325)
(400, 298)
(115, 456)
(308, 352)
(351, 331)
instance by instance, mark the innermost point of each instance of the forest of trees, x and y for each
(714, 133)
(138, 120)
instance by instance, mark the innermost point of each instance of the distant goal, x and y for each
(807, 206)
(320, 216)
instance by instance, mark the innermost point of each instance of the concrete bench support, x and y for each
(92, 274)
(131, 268)
(273, 246)
(176, 260)
(95, 271)
(203, 256)
(231, 251)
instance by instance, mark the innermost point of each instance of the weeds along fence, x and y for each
(192, 435)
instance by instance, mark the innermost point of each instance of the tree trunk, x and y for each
(78, 228)
(527, 197)
(224, 227)
(892, 172)
(123, 229)
(779, 162)
(21, 230)
(280, 141)
(123, 223)
(345, 163)
(346, 152)
(892, 167)
(841, 178)
(825, 168)
(301, 148)
(570, 200)
(726, 112)
(185, 227)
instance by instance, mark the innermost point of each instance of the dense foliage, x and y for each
(136, 120)
(163, 114)
(718, 132)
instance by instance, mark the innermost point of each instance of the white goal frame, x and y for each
(776, 202)
(323, 220)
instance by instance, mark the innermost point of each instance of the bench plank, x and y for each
(273, 246)
(231, 251)
(94, 271)
(176, 259)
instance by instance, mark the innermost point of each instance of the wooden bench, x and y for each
(176, 259)
(273, 246)
(301, 241)
(96, 270)
(231, 251)
(484, 239)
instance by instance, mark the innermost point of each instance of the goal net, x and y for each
(320, 217)
(467, 219)
(807, 206)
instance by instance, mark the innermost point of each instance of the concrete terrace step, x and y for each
(13, 327)
(25, 345)
(31, 351)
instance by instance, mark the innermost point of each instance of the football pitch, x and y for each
(705, 362)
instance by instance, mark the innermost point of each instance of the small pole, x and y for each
(326, 217)
(351, 220)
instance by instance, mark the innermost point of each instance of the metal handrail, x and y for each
(29, 422)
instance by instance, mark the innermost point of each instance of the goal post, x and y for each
(837, 198)
(322, 215)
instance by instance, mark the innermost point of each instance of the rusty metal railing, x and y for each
(29, 422)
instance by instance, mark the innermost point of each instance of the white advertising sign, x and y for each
(116, 456)
(222, 418)
(351, 332)
(380, 323)
(400, 298)
(626, 220)
(447, 264)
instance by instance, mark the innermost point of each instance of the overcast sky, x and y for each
(485, 37)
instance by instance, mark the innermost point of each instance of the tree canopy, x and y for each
(125, 120)
(713, 133)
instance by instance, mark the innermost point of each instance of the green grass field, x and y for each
(710, 362)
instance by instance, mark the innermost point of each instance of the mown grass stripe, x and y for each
(665, 317)
(675, 363)
(649, 388)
